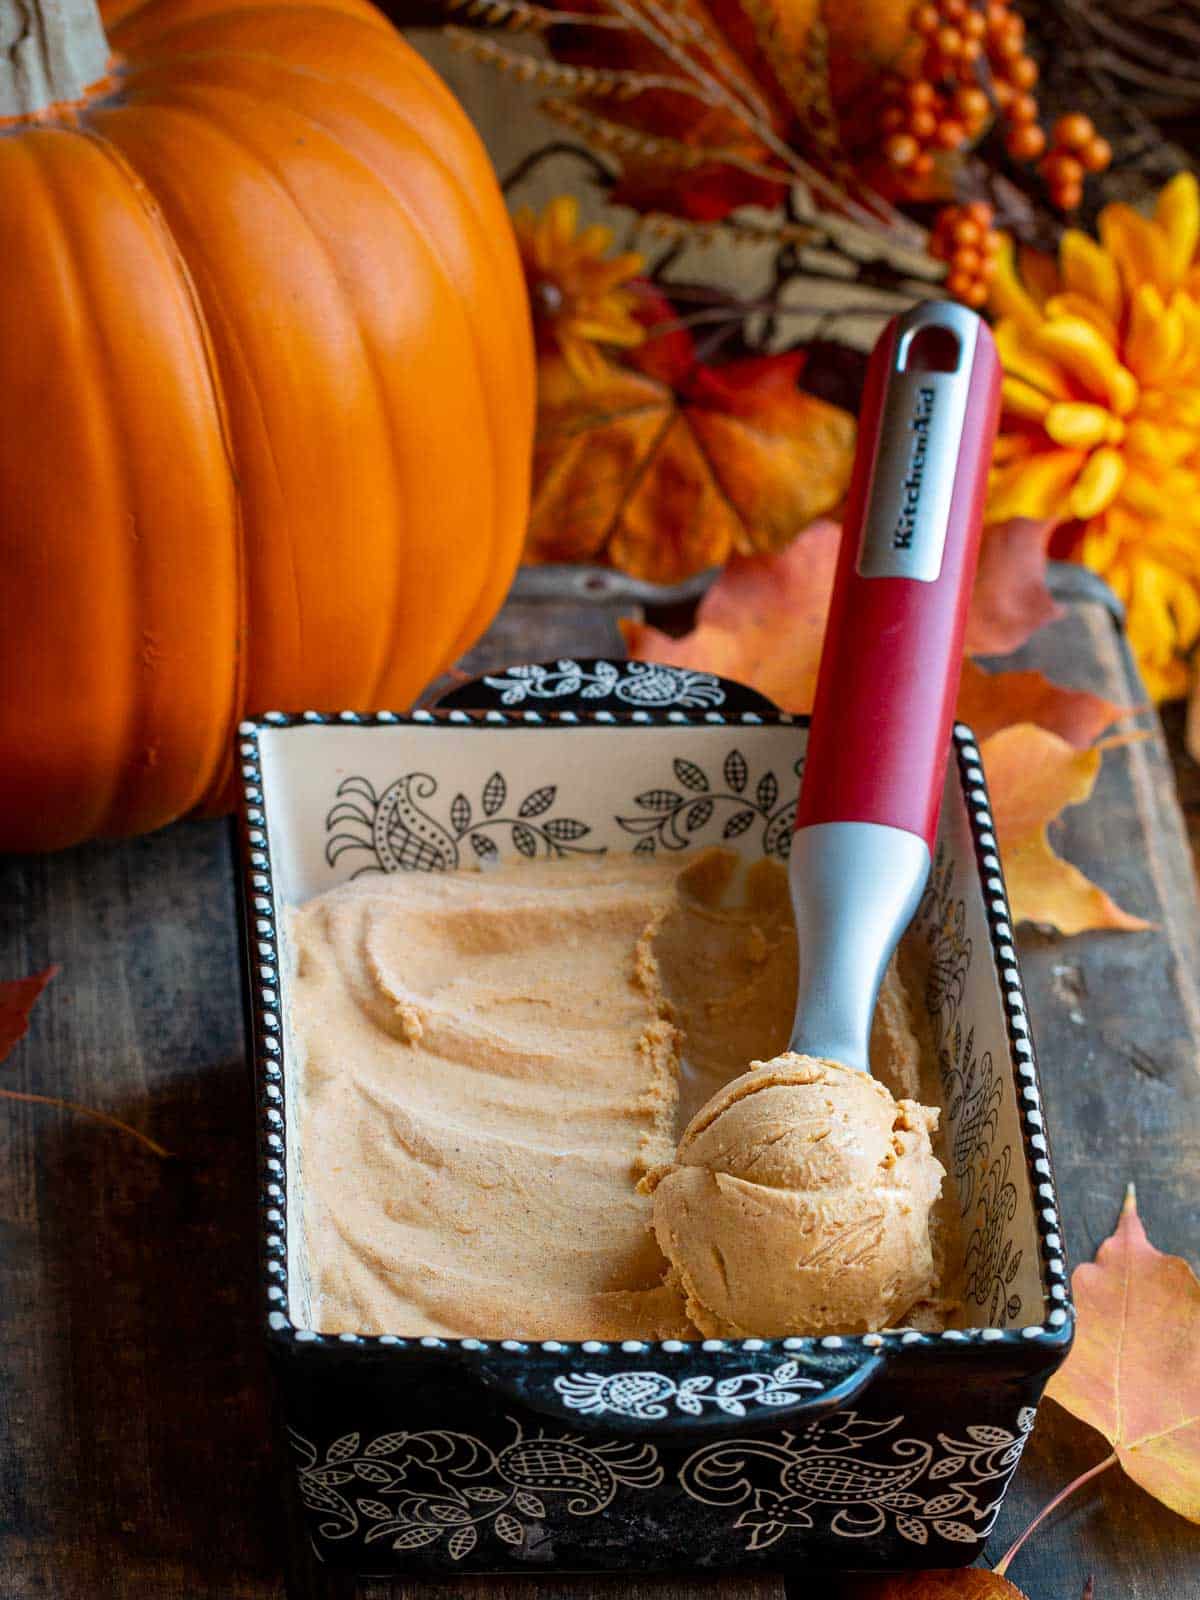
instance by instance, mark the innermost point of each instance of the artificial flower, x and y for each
(1101, 419)
(575, 286)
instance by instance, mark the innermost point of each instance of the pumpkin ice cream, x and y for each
(799, 1201)
(493, 1066)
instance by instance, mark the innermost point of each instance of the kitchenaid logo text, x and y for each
(906, 525)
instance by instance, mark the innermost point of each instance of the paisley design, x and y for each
(949, 960)
(565, 1466)
(406, 838)
(400, 835)
(835, 1480)
(991, 1261)
(845, 1475)
(973, 1097)
(973, 1094)
(417, 1489)
(821, 1478)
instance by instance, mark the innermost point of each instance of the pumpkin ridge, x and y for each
(497, 557)
(140, 15)
(216, 797)
(505, 261)
(402, 57)
(266, 438)
(215, 774)
(102, 793)
(216, 107)
(403, 61)
(429, 246)
(121, 713)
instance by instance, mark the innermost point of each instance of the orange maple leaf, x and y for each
(1033, 775)
(666, 479)
(1010, 599)
(1134, 1370)
(774, 608)
(990, 701)
(762, 624)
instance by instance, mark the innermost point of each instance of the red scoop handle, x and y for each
(892, 655)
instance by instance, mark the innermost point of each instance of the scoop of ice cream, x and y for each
(798, 1203)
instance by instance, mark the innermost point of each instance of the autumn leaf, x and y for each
(1010, 600)
(664, 480)
(958, 1583)
(762, 624)
(1032, 776)
(1133, 1373)
(990, 701)
(18, 996)
(763, 620)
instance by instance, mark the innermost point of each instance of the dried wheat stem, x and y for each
(657, 225)
(804, 78)
(518, 16)
(648, 25)
(1119, 67)
(90, 1112)
(623, 141)
(683, 25)
(761, 130)
(1137, 45)
(556, 75)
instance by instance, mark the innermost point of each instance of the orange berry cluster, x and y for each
(940, 106)
(964, 238)
(1075, 149)
(1014, 73)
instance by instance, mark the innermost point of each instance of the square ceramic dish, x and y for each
(432, 1456)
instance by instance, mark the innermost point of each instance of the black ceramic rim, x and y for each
(261, 971)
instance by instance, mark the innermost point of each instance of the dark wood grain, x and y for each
(133, 1455)
(1116, 1020)
(133, 1418)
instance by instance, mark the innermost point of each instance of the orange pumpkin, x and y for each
(266, 393)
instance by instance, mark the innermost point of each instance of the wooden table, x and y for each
(133, 1430)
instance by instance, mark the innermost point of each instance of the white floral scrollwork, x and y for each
(417, 1489)
(821, 1479)
(397, 831)
(974, 1095)
(637, 683)
(699, 808)
(649, 1396)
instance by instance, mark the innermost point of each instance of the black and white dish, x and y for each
(433, 1456)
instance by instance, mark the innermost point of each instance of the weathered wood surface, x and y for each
(133, 1456)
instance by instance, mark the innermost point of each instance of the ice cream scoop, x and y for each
(799, 1202)
(805, 1168)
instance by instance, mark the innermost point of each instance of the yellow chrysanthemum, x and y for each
(575, 286)
(1101, 421)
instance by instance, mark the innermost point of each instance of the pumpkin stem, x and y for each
(51, 52)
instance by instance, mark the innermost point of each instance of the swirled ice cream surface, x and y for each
(491, 1065)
